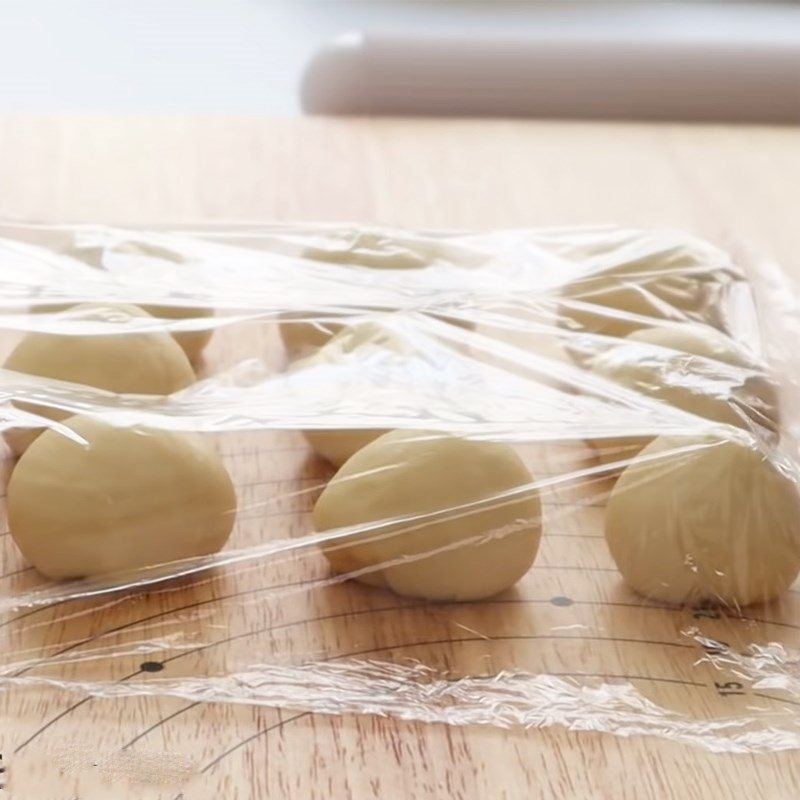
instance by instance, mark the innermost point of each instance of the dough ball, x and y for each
(372, 248)
(389, 249)
(353, 247)
(149, 363)
(92, 251)
(113, 499)
(678, 282)
(649, 362)
(711, 520)
(93, 254)
(193, 343)
(303, 339)
(364, 343)
(408, 474)
(756, 395)
(695, 339)
(362, 247)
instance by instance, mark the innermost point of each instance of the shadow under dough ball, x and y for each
(465, 534)
(337, 446)
(106, 499)
(144, 362)
(705, 520)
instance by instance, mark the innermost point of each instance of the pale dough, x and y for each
(388, 249)
(338, 444)
(409, 474)
(192, 342)
(359, 248)
(149, 363)
(373, 249)
(303, 339)
(717, 522)
(695, 339)
(668, 284)
(111, 498)
(658, 362)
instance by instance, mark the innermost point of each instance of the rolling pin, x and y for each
(646, 78)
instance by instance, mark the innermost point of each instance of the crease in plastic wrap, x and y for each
(520, 478)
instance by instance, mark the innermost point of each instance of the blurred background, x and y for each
(250, 56)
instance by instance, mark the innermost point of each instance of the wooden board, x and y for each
(570, 615)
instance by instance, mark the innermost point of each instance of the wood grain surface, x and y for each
(571, 615)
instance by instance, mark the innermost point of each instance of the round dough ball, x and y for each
(351, 247)
(711, 520)
(408, 474)
(666, 284)
(192, 342)
(303, 339)
(372, 248)
(366, 248)
(337, 445)
(113, 499)
(93, 251)
(650, 363)
(388, 249)
(149, 363)
(695, 339)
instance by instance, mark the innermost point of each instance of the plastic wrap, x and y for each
(573, 499)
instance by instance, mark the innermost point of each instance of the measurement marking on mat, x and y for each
(561, 601)
(393, 608)
(16, 572)
(727, 688)
(229, 639)
(244, 742)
